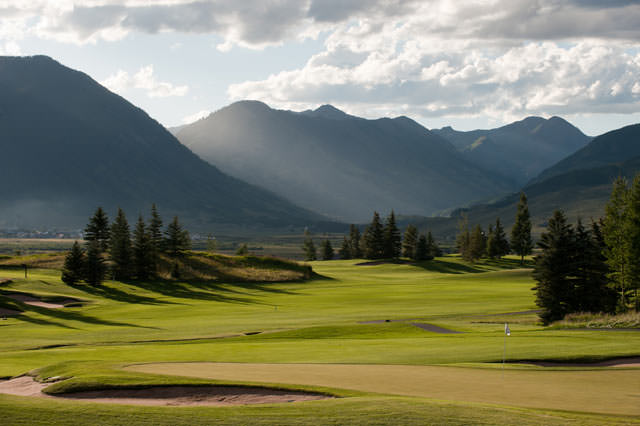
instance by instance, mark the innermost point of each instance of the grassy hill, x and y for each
(351, 332)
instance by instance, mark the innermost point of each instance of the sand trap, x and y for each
(166, 395)
(34, 301)
(620, 362)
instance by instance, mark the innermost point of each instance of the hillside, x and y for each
(580, 185)
(69, 145)
(337, 164)
(520, 150)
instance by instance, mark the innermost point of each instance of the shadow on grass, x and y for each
(191, 290)
(117, 295)
(459, 267)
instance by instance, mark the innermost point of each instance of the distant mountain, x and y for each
(580, 185)
(337, 164)
(520, 150)
(69, 145)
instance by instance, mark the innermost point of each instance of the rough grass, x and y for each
(599, 320)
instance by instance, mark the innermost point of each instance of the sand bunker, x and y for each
(166, 395)
(4, 312)
(620, 362)
(34, 301)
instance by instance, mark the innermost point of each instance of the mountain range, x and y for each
(340, 165)
(69, 145)
(521, 150)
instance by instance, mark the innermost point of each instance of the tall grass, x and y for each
(599, 320)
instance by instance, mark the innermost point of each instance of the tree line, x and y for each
(594, 269)
(379, 241)
(114, 248)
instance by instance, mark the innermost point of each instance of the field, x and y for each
(374, 336)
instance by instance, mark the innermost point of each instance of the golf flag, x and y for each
(506, 329)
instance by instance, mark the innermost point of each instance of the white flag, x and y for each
(506, 329)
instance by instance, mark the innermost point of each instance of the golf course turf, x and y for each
(330, 335)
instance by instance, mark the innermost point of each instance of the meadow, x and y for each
(358, 332)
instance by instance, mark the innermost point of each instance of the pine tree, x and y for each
(73, 269)
(553, 270)
(615, 235)
(590, 292)
(463, 239)
(501, 242)
(521, 242)
(374, 239)
(392, 238)
(345, 249)
(355, 242)
(327, 250)
(492, 246)
(477, 244)
(120, 247)
(95, 268)
(422, 249)
(409, 242)
(155, 230)
(633, 238)
(177, 240)
(243, 250)
(432, 247)
(308, 247)
(98, 229)
(142, 251)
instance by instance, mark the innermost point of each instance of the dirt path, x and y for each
(165, 395)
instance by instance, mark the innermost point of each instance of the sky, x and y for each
(465, 63)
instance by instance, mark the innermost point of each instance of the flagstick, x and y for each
(504, 352)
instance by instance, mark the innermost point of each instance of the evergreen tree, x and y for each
(392, 238)
(615, 236)
(374, 239)
(73, 269)
(521, 242)
(243, 250)
(345, 249)
(327, 250)
(308, 247)
(591, 292)
(500, 240)
(120, 247)
(492, 247)
(355, 242)
(553, 270)
(432, 247)
(422, 249)
(95, 268)
(409, 242)
(477, 244)
(463, 239)
(177, 240)
(633, 238)
(155, 230)
(98, 229)
(142, 251)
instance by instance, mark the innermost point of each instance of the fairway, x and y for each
(362, 333)
(559, 390)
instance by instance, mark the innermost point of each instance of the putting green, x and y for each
(611, 391)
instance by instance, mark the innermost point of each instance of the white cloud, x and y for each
(144, 79)
(10, 48)
(195, 117)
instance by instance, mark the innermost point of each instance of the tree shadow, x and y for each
(117, 295)
(185, 290)
(448, 267)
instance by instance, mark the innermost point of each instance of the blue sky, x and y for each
(465, 63)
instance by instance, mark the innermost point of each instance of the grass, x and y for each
(318, 323)
(599, 320)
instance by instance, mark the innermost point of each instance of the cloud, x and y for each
(260, 23)
(196, 116)
(533, 78)
(144, 79)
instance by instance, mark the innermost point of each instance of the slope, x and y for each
(520, 150)
(70, 145)
(337, 164)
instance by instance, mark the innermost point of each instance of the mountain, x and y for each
(580, 185)
(69, 145)
(520, 150)
(337, 164)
